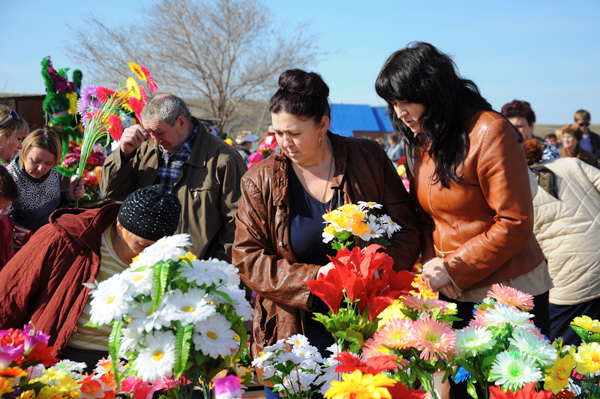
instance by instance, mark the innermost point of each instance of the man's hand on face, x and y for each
(132, 138)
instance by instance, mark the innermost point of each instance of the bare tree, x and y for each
(222, 52)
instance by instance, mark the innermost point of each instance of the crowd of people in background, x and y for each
(489, 202)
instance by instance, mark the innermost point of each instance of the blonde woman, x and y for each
(13, 130)
(34, 171)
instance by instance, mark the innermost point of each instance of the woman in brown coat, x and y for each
(571, 136)
(279, 223)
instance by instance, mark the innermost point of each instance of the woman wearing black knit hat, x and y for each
(43, 282)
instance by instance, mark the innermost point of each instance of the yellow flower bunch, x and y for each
(363, 386)
(587, 323)
(557, 376)
(354, 220)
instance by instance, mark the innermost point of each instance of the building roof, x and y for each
(348, 118)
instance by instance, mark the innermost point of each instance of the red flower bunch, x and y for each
(366, 276)
(25, 348)
(527, 392)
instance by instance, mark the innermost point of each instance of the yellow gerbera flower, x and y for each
(588, 358)
(138, 71)
(133, 90)
(6, 385)
(365, 386)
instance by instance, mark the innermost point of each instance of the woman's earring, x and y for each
(320, 141)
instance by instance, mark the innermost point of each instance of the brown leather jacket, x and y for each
(262, 250)
(482, 226)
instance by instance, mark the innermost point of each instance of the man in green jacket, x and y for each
(199, 168)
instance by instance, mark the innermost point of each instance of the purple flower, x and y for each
(33, 337)
(8, 354)
(256, 157)
(228, 388)
(72, 87)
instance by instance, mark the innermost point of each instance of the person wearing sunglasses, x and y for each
(13, 130)
(590, 141)
(9, 193)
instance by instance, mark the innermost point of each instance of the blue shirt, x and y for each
(169, 165)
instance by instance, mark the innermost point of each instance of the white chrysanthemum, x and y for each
(230, 270)
(188, 308)
(158, 358)
(535, 346)
(297, 340)
(215, 337)
(143, 320)
(506, 314)
(140, 283)
(473, 340)
(240, 303)
(203, 273)
(512, 370)
(130, 341)
(290, 357)
(369, 205)
(74, 369)
(389, 225)
(167, 248)
(111, 301)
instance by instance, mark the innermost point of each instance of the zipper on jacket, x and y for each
(433, 211)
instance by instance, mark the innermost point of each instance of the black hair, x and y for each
(421, 74)
(302, 94)
(8, 187)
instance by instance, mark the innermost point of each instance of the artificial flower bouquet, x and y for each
(294, 372)
(91, 174)
(106, 112)
(363, 279)
(576, 372)
(173, 315)
(501, 346)
(352, 224)
(416, 332)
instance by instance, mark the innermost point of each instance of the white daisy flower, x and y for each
(111, 301)
(268, 371)
(389, 225)
(290, 357)
(374, 231)
(130, 341)
(536, 347)
(297, 340)
(215, 336)
(512, 370)
(158, 358)
(238, 295)
(203, 273)
(230, 270)
(143, 320)
(167, 248)
(279, 345)
(264, 360)
(140, 283)
(298, 381)
(188, 308)
(506, 314)
(369, 205)
(471, 341)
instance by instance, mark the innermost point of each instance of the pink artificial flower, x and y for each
(137, 107)
(435, 339)
(511, 297)
(149, 79)
(33, 337)
(114, 127)
(424, 304)
(397, 334)
(228, 387)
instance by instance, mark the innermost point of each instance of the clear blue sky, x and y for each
(545, 52)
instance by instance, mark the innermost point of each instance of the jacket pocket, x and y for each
(267, 326)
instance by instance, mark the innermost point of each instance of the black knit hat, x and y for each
(150, 213)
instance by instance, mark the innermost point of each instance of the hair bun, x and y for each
(309, 84)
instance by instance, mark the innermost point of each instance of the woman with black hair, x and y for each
(469, 174)
(279, 224)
